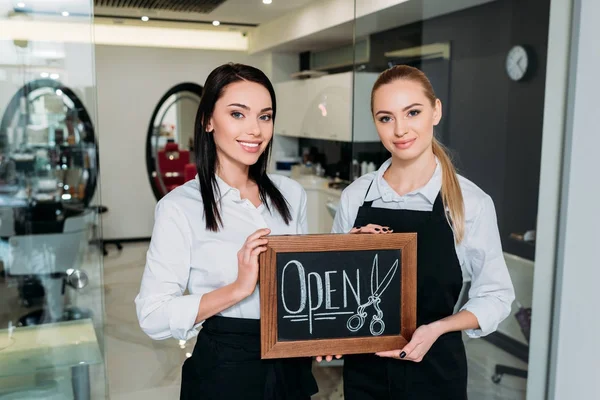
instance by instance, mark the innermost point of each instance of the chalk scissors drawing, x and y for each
(356, 321)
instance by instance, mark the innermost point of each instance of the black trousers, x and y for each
(226, 365)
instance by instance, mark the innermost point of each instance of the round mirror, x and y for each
(48, 150)
(170, 143)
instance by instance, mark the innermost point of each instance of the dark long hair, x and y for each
(206, 150)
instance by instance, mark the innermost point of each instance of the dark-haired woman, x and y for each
(208, 234)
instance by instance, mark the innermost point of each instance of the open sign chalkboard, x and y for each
(337, 294)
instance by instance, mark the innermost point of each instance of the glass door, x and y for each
(486, 61)
(51, 272)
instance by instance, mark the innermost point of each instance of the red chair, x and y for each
(171, 165)
(190, 172)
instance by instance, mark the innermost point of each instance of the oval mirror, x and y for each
(48, 150)
(170, 142)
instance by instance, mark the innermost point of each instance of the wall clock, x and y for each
(517, 62)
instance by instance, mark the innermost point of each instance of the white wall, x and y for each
(130, 82)
(576, 347)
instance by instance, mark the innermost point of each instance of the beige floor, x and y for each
(128, 348)
(138, 368)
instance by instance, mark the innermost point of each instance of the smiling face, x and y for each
(242, 123)
(405, 117)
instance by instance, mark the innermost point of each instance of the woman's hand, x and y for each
(248, 261)
(328, 358)
(422, 340)
(371, 228)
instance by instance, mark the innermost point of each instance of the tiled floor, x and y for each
(139, 368)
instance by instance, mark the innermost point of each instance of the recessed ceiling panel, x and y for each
(197, 6)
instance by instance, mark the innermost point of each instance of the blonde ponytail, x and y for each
(451, 193)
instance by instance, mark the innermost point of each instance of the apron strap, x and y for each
(439, 210)
(365, 202)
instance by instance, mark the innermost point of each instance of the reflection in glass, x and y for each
(48, 174)
(51, 272)
(47, 177)
(47, 147)
(170, 143)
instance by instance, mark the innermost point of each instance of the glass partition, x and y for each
(51, 279)
(486, 61)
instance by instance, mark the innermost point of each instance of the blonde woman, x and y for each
(418, 190)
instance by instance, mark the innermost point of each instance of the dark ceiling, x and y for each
(196, 6)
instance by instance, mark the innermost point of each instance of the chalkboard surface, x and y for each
(340, 294)
(337, 294)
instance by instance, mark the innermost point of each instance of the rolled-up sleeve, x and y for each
(163, 310)
(491, 293)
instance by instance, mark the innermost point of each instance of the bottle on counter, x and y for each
(319, 170)
(355, 169)
(371, 167)
(364, 168)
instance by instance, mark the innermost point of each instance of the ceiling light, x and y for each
(216, 23)
(21, 5)
(145, 19)
(65, 13)
(267, 1)
(44, 74)
(54, 76)
(59, 92)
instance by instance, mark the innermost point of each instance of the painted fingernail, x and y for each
(403, 354)
(377, 229)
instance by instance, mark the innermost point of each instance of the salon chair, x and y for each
(190, 172)
(171, 165)
(101, 242)
(43, 257)
(523, 316)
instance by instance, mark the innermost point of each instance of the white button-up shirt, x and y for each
(480, 252)
(183, 254)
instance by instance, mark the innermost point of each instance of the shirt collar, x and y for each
(380, 189)
(223, 187)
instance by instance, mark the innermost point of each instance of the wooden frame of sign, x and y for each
(368, 328)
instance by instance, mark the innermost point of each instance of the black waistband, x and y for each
(228, 325)
(234, 331)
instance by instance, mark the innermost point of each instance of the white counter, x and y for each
(27, 350)
(319, 195)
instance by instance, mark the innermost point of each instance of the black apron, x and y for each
(226, 365)
(442, 374)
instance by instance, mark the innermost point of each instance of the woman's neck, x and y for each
(407, 176)
(234, 174)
